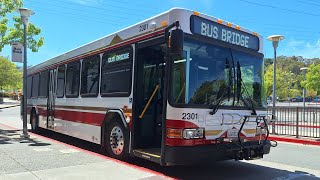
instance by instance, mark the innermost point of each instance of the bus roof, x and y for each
(137, 32)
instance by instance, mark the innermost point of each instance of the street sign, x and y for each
(17, 52)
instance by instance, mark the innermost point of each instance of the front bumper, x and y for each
(205, 153)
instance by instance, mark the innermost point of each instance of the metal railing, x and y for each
(296, 121)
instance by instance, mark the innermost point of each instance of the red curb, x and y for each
(305, 126)
(96, 154)
(294, 140)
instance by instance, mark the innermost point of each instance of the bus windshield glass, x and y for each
(206, 73)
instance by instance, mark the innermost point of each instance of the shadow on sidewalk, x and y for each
(13, 136)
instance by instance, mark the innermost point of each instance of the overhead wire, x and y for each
(280, 8)
(102, 7)
(101, 19)
(308, 3)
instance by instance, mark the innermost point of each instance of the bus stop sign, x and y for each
(17, 52)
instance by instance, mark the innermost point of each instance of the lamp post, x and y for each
(275, 41)
(25, 14)
(304, 93)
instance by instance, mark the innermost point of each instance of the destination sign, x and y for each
(118, 57)
(224, 33)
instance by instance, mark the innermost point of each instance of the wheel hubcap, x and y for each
(116, 140)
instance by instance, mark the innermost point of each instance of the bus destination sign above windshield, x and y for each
(224, 33)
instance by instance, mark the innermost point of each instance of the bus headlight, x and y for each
(193, 133)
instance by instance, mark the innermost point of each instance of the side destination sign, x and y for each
(224, 33)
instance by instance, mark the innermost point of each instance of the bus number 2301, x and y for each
(190, 116)
(143, 27)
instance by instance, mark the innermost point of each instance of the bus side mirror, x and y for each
(176, 41)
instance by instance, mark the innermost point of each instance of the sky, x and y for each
(68, 24)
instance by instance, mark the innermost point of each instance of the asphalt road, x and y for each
(286, 161)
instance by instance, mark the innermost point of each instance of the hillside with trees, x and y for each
(290, 79)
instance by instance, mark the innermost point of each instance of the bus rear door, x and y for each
(51, 98)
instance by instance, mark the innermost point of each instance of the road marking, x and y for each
(42, 149)
(69, 151)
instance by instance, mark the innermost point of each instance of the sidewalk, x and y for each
(43, 158)
(7, 103)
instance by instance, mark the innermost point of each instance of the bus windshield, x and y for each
(204, 71)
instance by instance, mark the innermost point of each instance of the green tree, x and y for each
(9, 35)
(312, 78)
(10, 75)
(285, 79)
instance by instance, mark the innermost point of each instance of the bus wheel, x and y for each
(116, 140)
(34, 122)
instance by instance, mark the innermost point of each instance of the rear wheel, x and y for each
(116, 140)
(34, 122)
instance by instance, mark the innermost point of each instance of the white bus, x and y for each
(178, 88)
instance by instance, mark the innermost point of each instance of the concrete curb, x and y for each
(295, 140)
(10, 106)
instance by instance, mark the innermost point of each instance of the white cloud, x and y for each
(87, 2)
(307, 49)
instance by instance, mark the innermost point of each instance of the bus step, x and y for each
(151, 154)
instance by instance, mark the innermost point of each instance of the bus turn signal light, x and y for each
(196, 13)
(164, 23)
(174, 133)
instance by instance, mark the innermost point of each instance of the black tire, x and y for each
(114, 140)
(34, 121)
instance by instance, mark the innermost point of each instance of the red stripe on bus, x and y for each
(306, 126)
(179, 124)
(42, 111)
(95, 119)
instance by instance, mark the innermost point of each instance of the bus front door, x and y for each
(51, 98)
(148, 99)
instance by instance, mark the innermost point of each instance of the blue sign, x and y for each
(224, 33)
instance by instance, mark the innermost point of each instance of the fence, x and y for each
(296, 121)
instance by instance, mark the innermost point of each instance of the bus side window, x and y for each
(90, 76)
(29, 85)
(73, 79)
(116, 72)
(61, 81)
(35, 86)
(44, 79)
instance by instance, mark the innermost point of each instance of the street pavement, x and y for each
(7, 103)
(54, 156)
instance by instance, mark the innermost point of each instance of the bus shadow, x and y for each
(213, 170)
(13, 136)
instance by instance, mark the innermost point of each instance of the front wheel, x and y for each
(116, 140)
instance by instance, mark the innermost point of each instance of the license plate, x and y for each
(232, 133)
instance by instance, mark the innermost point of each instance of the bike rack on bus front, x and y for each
(258, 120)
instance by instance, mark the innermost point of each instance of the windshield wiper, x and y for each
(222, 90)
(233, 77)
(239, 93)
(221, 94)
